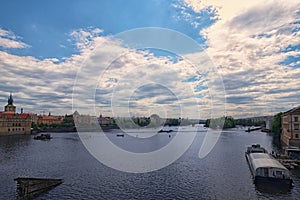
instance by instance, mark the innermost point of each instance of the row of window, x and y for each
(16, 129)
(16, 124)
(11, 124)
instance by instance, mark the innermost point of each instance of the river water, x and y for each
(223, 174)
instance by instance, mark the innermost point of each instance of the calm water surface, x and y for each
(223, 174)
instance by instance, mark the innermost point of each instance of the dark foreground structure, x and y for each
(29, 188)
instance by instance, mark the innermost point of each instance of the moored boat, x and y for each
(265, 168)
(43, 137)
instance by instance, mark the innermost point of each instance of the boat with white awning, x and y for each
(265, 168)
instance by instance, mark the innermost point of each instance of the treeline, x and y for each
(221, 122)
(249, 122)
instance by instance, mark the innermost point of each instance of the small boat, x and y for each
(266, 169)
(120, 135)
(43, 137)
(294, 165)
(252, 129)
(165, 131)
(255, 148)
(287, 165)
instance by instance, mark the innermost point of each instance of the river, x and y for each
(222, 174)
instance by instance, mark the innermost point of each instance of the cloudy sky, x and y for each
(59, 56)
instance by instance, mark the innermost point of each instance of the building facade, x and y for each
(290, 120)
(49, 120)
(12, 123)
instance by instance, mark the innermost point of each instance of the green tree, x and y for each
(276, 124)
(222, 122)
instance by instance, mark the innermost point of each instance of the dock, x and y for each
(28, 188)
(289, 163)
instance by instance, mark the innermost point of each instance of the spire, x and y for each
(10, 100)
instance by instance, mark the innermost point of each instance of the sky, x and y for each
(137, 58)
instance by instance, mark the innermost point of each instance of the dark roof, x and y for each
(292, 110)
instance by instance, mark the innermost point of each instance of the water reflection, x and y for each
(10, 145)
(272, 189)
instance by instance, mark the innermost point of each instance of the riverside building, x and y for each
(12, 123)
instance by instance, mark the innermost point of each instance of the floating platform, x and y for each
(253, 129)
(28, 188)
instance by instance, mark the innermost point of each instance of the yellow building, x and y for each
(290, 121)
(12, 123)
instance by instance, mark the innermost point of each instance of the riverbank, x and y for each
(70, 129)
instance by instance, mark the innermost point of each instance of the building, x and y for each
(84, 120)
(290, 120)
(106, 121)
(12, 123)
(49, 120)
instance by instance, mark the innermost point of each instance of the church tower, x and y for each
(10, 108)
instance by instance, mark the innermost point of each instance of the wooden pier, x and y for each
(29, 188)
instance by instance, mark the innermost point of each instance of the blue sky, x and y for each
(46, 26)
(253, 45)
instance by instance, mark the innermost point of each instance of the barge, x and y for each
(266, 169)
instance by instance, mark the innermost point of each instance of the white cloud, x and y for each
(9, 40)
(247, 42)
(47, 84)
(117, 78)
(84, 37)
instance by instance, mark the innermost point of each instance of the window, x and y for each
(296, 135)
(278, 172)
(296, 126)
(8, 129)
(296, 119)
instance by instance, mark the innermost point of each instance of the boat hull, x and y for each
(271, 180)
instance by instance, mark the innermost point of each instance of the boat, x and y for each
(265, 168)
(43, 137)
(165, 131)
(252, 129)
(255, 148)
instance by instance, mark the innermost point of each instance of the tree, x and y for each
(221, 122)
(276, 124)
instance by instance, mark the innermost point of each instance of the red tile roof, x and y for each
(14, 115)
